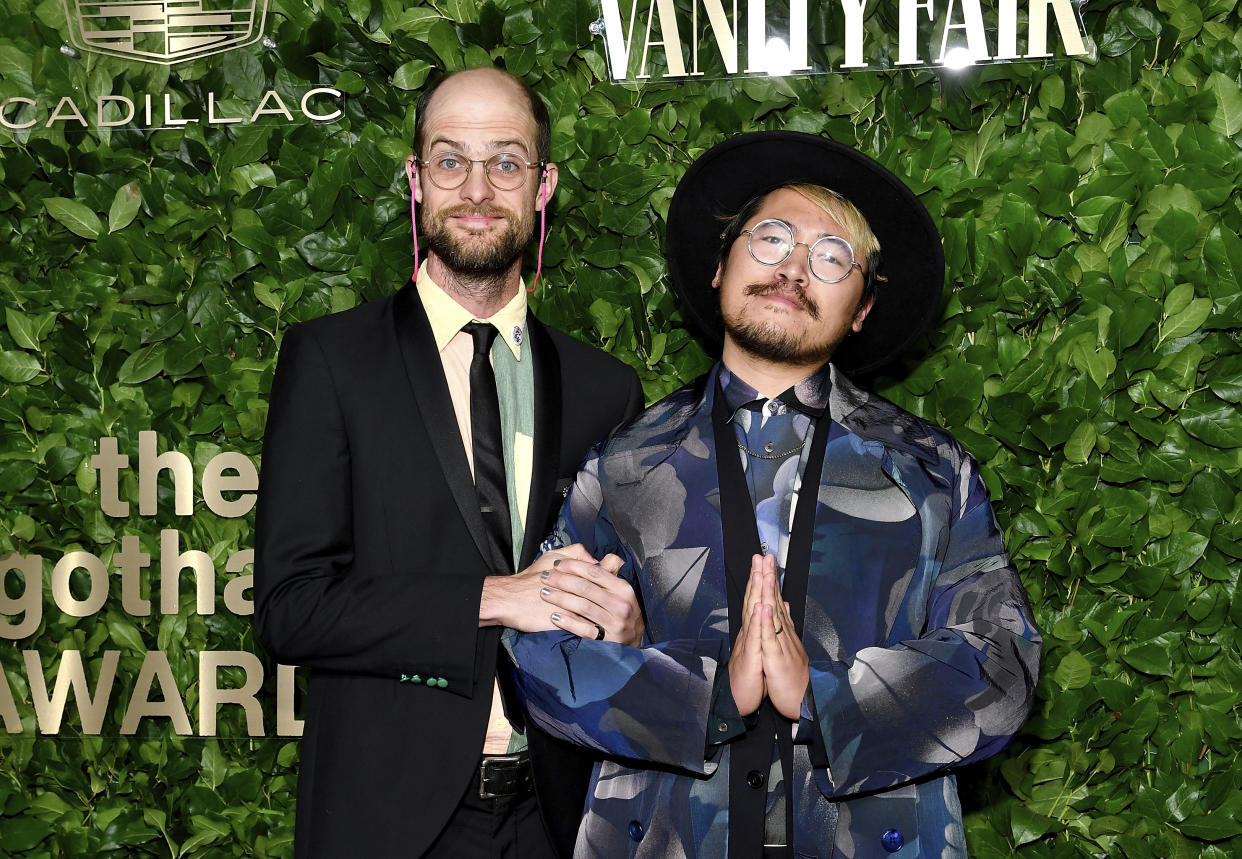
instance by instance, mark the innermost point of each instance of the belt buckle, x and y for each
(499, 775)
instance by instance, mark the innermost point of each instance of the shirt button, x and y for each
(636, 830)
(763, 548)
(754, 779)
(769, 447)
(892, 840)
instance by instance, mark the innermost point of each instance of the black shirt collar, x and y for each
(809, 396)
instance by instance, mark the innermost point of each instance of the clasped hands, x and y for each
(768, 658)
(566, 589)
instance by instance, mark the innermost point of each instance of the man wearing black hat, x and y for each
(816, 661)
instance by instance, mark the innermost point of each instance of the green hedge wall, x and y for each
(1088, 355)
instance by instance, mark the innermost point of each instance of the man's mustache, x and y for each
(468, 211)
(792, 291)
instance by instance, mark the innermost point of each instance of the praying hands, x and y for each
(768, 658)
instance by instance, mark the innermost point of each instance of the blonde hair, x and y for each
(845, 213)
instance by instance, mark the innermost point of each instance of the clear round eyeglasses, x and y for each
(829, 258)
(504, 170)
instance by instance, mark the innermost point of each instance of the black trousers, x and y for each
(505, 827)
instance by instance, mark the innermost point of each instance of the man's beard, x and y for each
(769, 341)
(478, 258)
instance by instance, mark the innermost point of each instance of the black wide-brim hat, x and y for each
(725, 177)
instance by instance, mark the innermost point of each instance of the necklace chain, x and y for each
(753, 453)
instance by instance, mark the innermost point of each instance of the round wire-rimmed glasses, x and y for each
(829, 258)
(504, 170)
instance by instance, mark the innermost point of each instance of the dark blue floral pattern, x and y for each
(923, 652)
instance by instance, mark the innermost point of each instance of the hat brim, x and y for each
(729, 174)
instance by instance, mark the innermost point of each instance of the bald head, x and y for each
(503, 84)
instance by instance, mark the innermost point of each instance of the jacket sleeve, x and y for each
(319, 600)
(649, 703)
(956, 694)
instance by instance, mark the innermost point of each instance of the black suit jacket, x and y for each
(370, 559)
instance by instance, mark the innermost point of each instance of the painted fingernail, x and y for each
(545, 574)
(556, 617)
(557, 562)
(544, 591)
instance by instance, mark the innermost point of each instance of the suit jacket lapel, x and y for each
(435, 408)
(545, 466)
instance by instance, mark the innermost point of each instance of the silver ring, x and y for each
(599, 636)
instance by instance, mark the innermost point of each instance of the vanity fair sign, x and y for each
(653, 40)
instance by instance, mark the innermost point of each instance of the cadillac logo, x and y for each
(163, 31)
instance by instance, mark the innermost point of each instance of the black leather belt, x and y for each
(504, 775)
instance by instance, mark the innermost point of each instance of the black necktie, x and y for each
(489, 452)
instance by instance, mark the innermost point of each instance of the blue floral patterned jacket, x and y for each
(923, 653)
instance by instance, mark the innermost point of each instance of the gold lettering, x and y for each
(211, 113)
(30, 604)
(287, 722)
(215, 482)
(8, 706)
(172, 562)
(50, 710)
(155, 669)
(264, 110)
(235, 591)
(73, 114)
(321, 117)
(169, 120)
(131, 561)
(150, 464)
(17, 99)
(109, 462)
(212, 697)
(112, 123)
(61, 593)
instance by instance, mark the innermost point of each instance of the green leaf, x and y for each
(1177, 229)
(1027, 826)
(1186, 321)
(1211, 421)
(215, 767)
(24, 833)
(124, 207)
(78, 218)
(1150, 658)
(1228, 117)
(19, 367)
(1178, 552)
(142, 365)
(1074, 671)
(22, 328)
(1211, 827)
(411, 75)
(1081, 442)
